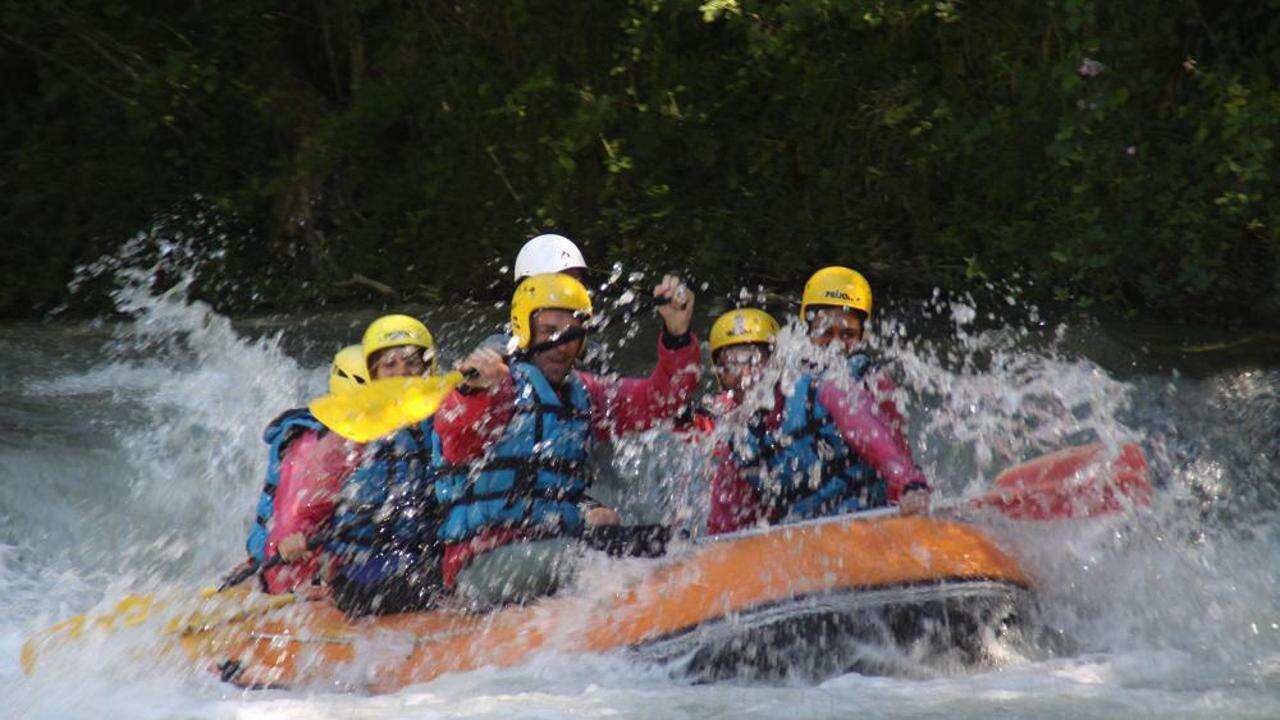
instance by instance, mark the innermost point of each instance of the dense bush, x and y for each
(1107, 152)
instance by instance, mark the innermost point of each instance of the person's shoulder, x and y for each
(292, 418)
(292, 415)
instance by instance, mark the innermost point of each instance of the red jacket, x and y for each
(312, 472)
(468, 423)
(869, 422)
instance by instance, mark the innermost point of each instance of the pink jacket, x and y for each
(869, 422)
(311, 474)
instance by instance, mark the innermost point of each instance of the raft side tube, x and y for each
(804, 587)
(816, 637)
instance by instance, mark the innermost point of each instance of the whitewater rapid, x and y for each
(130, 459)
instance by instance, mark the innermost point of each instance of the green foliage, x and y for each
(1119, 155)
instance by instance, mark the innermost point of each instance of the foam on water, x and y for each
(1167, 612)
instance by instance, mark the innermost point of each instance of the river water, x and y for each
(130, 457)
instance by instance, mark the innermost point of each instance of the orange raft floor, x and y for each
(705, 590)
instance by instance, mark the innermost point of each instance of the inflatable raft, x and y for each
(806, 599)
(774, 601)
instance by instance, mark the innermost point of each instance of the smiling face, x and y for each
(400, 361)
(555, 363)
(829, 325)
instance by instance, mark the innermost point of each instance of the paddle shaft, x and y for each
(257, 567)
(572, 334)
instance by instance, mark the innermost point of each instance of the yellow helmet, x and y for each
(348, 370)
(395, 330)
(742, 326)
(541, 292)
(836, 286)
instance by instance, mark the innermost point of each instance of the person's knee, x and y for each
(518, 573)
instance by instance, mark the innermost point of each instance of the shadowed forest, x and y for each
(1107, 156)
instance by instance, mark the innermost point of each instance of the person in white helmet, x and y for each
(549, 254)
(543, 255)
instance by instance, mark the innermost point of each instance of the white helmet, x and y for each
(548, 254)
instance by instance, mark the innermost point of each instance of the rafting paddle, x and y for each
(383, 406)
(256, 567)
(1075, 482)
(211, 606)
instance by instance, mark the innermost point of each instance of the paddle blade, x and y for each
(1073, 483)
(383, 406)
(179, 615)
(130, 611)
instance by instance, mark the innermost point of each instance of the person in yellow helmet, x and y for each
(515, 439)
(835, 307)
(832, 440)
(741, 344)
(305, 468)
(398, 346)
(384, 549)
(348, 370)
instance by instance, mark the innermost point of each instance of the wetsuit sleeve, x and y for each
(302, 484)
(883, 393)
(634, 404)
(467, 421)
(734, 503)
(876, 435)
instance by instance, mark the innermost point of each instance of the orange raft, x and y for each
(754, 601)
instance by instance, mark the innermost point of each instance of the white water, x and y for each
(130, 460)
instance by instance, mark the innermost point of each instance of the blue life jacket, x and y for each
(804, 468)
(387, 518)
(283, 430)
(534, 475)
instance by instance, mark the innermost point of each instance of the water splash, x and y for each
(151, 479)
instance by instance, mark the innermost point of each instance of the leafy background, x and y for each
(1112, 156)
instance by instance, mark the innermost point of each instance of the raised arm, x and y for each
(634, 404)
